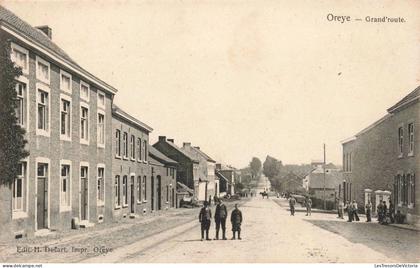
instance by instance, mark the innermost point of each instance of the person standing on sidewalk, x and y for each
(354, 207)
(391, 212)
(205, 220)
(236, 220)
(308, 203)
(292, 203)
(380, 209)
(349, 211)
(220, 218)
(368, 208)
(340, 209)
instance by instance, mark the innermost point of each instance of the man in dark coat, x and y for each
(391, 211)
(220, 218)
(236, 220)
(205, 218)
(292, 203)
(368, 208)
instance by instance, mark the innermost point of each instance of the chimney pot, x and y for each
(171, 140)
(45, 29)
(162, 138)
(187, 144)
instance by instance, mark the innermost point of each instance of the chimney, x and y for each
(162, 138)
(171, 140)
(197, 147)
(218, 166)
(187, 144)
(46, 30)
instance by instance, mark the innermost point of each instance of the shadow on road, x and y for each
(397, 244)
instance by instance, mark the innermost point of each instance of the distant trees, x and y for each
(272, 167)
(255, 166)
(12, 142)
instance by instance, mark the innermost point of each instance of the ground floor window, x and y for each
(405, 189)
(125, 191)
(143, 187)
(65, 186)
(101, 186)
(117, 191)
(19, 188)
(139, 189)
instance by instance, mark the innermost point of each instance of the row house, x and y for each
(66, 112)
(188, 164)
(128, 186)
(208, 183)
(381, 162)
(226, 175)
(163, 181)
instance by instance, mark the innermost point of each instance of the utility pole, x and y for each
(325, 202)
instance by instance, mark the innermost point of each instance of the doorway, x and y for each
(84, 193)
(42, 196)
(159, 193)
(132, 194)
(152, 194)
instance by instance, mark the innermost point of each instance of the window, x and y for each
(133, 147)
(412, 187)
(349, 162)
(399, 189)
(145, 150)
(65, 81)
(19, 189)
(101, 129)
(118, 142)
(21, 103)
(43, 111)
(42, 70)
(117, 191)
(19, 56)
(143, 188)
(411, 139)
(138, 189)
(84, 124)
(167, 193)
(101, 186)
(65, 186)
(125, 191)
(84, 91)
(139, 149)
(400, 140)
(65, 118)
(101, 100)
(125, 145)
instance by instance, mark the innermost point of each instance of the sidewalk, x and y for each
(284, 203)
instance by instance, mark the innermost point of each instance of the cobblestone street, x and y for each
(270, 234)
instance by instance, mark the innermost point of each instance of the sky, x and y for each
(243, 78)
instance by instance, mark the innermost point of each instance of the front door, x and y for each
(132, 195)
(42, 197)
(159, 193)
(152, 189)
(84, 188)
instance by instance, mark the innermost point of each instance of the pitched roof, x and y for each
(218, 174)
(160, 156)
(208, 158)
(184, 187)
(182, 151)
(413, 95)
(118, 111)
(9, 19)
(332, 180)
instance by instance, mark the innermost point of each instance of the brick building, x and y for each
(188, 165)
(66, 112)
(383, 159)
(129, 185)
(163, 180)
(226, 177)
(208, 184)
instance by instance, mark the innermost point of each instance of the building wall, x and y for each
(375, 157)
(187, 173)
(53, 150)
(168, 187)
(129, 167)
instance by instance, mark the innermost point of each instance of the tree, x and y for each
(272, 167)
(255, 166)
(12, 141)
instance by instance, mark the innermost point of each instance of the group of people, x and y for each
(220, 217)
(307, 204)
